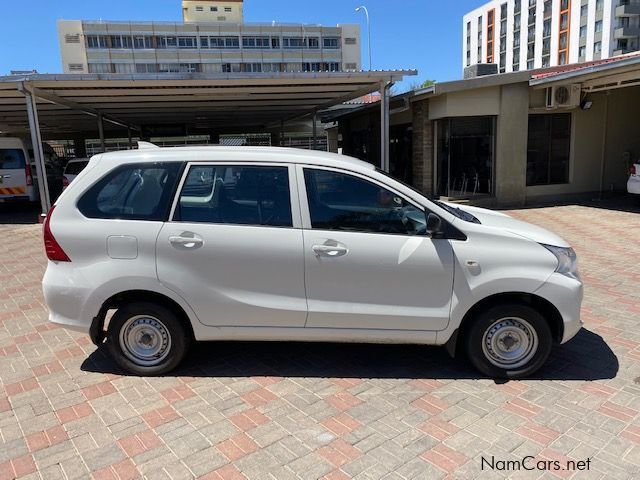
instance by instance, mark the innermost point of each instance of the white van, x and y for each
(249, 243)
(16, 176)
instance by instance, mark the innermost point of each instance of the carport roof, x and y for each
(201, 102)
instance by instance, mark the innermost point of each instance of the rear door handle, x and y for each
(329, 250)
(186, 241)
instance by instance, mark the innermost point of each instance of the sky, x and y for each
(425, 35)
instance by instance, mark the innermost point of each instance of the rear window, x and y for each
(11, 158)
(74, 168)
(133, 192)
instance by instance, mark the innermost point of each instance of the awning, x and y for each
(200, 102)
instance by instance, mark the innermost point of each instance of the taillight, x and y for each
(27, 173)
(51, 247)
(632, 170)
(65, 182)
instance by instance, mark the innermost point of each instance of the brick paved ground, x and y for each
(284, 411)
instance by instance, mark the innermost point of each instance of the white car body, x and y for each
(72, 169)
(242, 282)
(633, 184)
(17, 182)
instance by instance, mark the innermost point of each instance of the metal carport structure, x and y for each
(60, 106)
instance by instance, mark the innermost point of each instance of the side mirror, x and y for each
(434, 225)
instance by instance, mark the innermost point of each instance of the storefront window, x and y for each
(548, 149)
(465, 156)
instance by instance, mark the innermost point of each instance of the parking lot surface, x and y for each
(282, 410)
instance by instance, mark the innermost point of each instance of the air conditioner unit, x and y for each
(564, 96)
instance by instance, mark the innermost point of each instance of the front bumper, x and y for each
(566, 295)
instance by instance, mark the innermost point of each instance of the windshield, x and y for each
(457, 212)
(11, 159)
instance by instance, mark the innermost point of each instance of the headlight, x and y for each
(567, 260)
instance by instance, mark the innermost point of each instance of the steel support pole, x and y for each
(384, 126)
(314, 143)
(101, 132)
(38, 154)
(605, 126)
(130, 139)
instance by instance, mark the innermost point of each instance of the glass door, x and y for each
(465, 157)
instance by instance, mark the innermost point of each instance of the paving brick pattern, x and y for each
(285, 411)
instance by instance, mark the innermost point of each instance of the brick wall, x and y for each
(422, 148)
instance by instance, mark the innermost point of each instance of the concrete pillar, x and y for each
(314, 141)
(423, 157)
(129, 138)
(512, 130)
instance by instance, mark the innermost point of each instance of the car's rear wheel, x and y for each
(147, 339)
(509, 341)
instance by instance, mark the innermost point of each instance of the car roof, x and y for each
(77, 160)
(214, 153)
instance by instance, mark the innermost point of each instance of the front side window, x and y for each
(338, 201)
(132, 192)
(237, 195)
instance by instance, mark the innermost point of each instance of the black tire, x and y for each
(525, 321)
(162, 328)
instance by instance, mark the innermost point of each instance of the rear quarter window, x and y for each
(133, 192)
(11, 159)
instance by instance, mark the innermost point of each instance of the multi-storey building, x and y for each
(212, 38)
(525, 34)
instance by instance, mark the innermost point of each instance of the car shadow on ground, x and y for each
(586, 357)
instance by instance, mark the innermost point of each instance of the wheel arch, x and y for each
(542, 305)
(97, 331)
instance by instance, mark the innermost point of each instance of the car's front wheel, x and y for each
(509, 341)
(147, 339)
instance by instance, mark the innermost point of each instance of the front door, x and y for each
(368, 261)
(232, 250)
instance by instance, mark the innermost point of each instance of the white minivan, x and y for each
(16, 179)
(150, 250)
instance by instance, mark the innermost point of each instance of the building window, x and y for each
(599, 5)
(227, 9)
(146, 68)
(350, 41)
(124, 67)
(597, 47)
(517, 6)
(99, 68)
(169, 68)
(187, 42)
(96, 41)
(582, 51)
(275, 43)
(231, 67)
(583, 31)
(330, 43)
(141, 42)
(199, 9)
(548, 149)
(598, 26)
(313, 43)
(166, 42)
(72, 38)
(293, 42)
(213, 9)
(189, 67)
(252, 67)
(256, 42)
(584, 10)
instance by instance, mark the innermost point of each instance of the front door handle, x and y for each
(186, 240)
(329, 250)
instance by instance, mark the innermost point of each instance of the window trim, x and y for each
(294, 196)
(304, 201)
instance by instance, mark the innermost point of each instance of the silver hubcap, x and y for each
(145, 340)
(510, 343)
